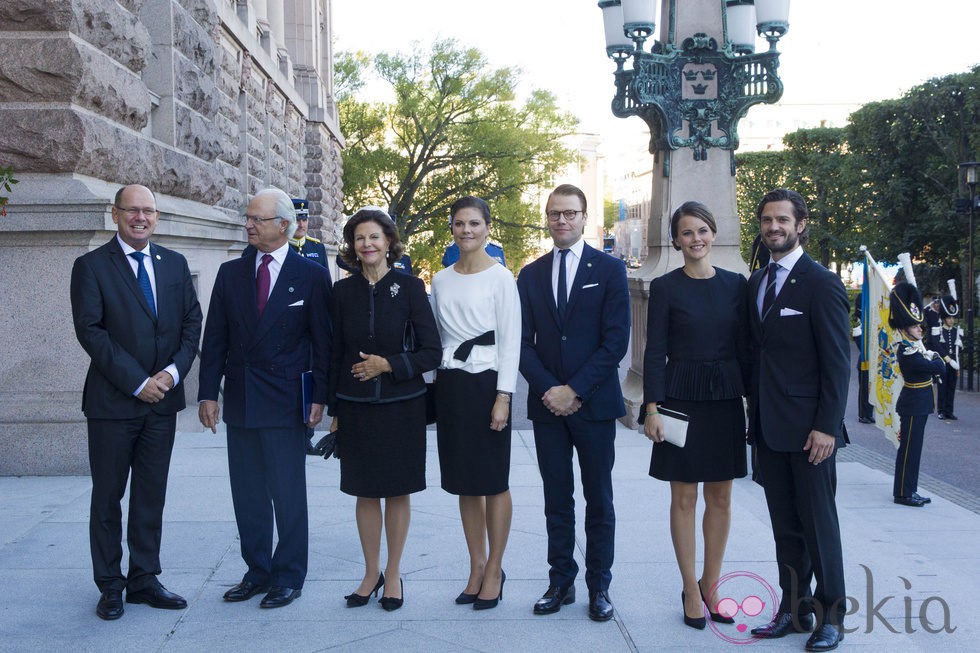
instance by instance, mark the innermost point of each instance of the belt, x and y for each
(920, 384)
(463, 351)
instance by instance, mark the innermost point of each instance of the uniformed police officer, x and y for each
(949, 343)
(918, 366)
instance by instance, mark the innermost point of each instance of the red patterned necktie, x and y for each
(262, 283)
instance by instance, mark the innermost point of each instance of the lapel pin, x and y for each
(792, 280)
(588, 265)
(290, 289)
(158, 257)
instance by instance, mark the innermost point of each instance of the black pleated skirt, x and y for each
(715, 447)
(474, 459)
(382, 447)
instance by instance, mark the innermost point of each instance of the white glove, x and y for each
(931, 355)
(952, 363)
(856, 332)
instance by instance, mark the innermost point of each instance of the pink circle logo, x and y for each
(744, 597)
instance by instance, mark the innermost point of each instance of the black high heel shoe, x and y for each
(465, 599)
(715, 616)
(390, 603)
(486, 604)
(356, 600)
(693, 622)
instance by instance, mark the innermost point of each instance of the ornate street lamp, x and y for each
(693, 93)
(971, 293)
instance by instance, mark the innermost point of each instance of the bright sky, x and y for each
(836, 51)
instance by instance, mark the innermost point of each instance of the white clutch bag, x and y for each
(675, 426)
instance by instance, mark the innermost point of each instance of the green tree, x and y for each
(756, 173)
(453, 128)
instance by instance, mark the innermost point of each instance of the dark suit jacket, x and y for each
(800, 363)
(262, 359)
(584, 350)
(126, 343)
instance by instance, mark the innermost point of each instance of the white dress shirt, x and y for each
(783, 267)
(275, 265)
(571, 267)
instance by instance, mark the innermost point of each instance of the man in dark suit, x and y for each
(268, 323)
(137, 316)
(575, 309)
(801, 356)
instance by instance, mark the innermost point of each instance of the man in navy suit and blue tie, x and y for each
(801, 359)
(575, 309)
(268, 323)
(137, 316)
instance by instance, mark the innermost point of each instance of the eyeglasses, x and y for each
(569, 215)
(751, 606)
(251, 218)
(134, 211)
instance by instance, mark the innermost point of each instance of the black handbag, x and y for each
(408, 345)
(327, 446)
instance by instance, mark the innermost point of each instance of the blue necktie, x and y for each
(562, 284)
(770, 296)
(143, 279)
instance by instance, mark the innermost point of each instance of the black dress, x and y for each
(382, 421)
(696, 362)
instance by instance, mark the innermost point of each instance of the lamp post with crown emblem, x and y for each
(691, 87)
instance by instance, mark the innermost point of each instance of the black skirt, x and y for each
(474, 459)
(382, 447)
(715, 447)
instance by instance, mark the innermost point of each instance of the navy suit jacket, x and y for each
(262, 359)
(115, 326)
(801, 358)
(583, 350)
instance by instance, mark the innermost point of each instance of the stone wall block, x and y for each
(114, 30)
(194, 87)
(196, 134)
(194, 41)
(202, 11)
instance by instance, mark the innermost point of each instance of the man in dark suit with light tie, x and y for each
(268, 322)
(801, 359)
(137, 316)
(575, 309)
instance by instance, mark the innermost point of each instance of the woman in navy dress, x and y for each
(696, 363)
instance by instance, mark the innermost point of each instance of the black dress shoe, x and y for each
(782, 625)
(868, 420)
(279, 597)
(910, 501)
(698, 623)
(465, 599)
(715, 616)
(915, 495)
(825, 638)
(355, 600)
(554, 598)
(157, 597)
(600, 607)
(110, 605)
(951, 416)
(244, 591)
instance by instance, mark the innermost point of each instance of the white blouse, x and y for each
(468, 305)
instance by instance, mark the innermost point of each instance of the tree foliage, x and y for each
(887, 180)
(453, 128)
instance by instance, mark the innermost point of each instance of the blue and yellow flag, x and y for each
(878, 345)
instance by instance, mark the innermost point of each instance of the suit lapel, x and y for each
(791, 287)
(583, 276)
(247, 306)
(544, 281)
(754, 282)
(283, 294)
(121, 262)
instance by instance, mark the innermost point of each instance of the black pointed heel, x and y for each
(694, 622)
(715, 616)
(356, 600)
(390, 603)
(486, 604)
(465, 599)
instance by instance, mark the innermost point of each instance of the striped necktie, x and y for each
(770, 296)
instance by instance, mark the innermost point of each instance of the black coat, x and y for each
(917, 371)
(372, 320)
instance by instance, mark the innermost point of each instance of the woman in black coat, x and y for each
(377, 394)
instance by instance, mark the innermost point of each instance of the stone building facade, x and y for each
(205, 102)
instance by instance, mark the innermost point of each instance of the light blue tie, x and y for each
(143, 279)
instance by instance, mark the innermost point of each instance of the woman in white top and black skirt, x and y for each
(478, 312)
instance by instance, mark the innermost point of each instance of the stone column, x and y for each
(710, 181)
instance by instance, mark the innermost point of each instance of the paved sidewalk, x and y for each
(924, 558)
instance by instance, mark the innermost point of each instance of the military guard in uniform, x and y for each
(918, 366)
(866, 412)
(949, 344)
(930, 334)
(306, 246)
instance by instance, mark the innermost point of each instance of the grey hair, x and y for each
(284, 208)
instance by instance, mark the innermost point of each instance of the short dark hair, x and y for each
(388, 228)
(695, 210)
(470, 202)
(799, 208)
(570, 189)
